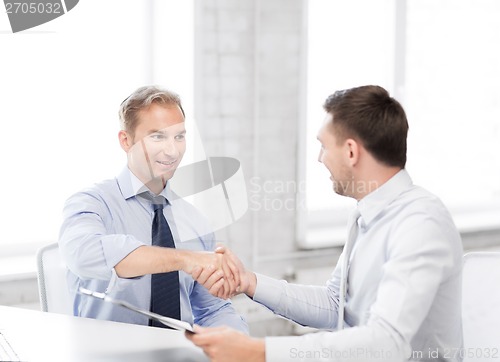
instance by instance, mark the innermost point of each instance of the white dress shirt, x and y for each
(404, 287)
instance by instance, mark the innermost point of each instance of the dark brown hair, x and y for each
(369, 115)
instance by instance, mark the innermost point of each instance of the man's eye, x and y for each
(180, 137)
(157, 137)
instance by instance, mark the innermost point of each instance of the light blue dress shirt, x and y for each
(404, 287)
(106, 222)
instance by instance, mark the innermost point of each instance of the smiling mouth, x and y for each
(167, 163)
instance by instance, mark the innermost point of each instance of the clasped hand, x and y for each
(224, 280)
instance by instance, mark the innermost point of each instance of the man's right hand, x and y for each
(244, 281)
(214, 271)
(221, 272)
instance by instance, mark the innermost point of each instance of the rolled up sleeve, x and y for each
(88, 251)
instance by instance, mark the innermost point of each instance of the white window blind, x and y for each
(441, 60)
(60, 89)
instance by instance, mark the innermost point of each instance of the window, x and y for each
(61, 86)
(440, 59)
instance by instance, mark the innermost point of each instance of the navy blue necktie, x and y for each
(165, 298)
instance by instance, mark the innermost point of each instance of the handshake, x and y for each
(223, 274)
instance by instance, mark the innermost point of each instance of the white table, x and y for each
(38, 336)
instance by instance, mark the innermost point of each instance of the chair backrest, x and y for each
(52, 284)
(481, 306)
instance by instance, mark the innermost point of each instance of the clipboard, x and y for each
(169, 322)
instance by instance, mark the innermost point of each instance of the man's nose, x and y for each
(169, 147)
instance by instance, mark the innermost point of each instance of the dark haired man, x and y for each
(396, 290)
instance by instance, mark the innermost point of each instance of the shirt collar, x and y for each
(131, 186)
(375, 202)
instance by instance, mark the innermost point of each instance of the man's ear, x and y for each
(352, 149)
(125, 140)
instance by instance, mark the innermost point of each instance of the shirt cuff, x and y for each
(268, 291)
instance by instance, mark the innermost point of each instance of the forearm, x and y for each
(148, 260)
(305, 304)
(153, 260)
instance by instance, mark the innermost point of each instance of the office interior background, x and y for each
(253, 75)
